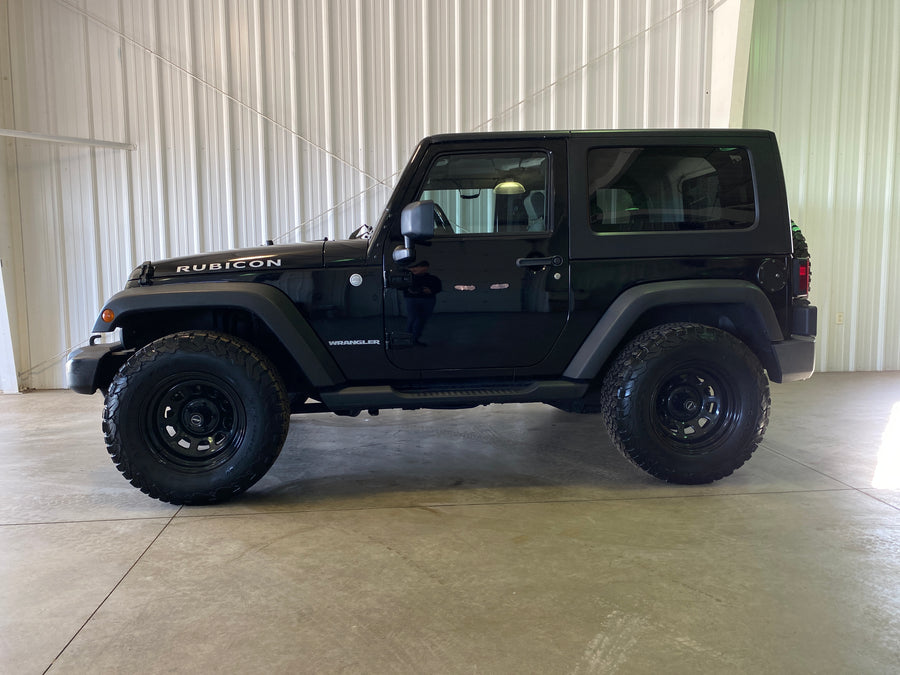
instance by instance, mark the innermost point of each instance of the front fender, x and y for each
(268, 304)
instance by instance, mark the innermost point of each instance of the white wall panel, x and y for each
(290, 120)
(826, 76)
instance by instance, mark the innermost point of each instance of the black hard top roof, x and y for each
(598, 133)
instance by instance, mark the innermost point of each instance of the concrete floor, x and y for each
(510, 539)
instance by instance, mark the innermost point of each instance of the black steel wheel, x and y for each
(195, 418)
(687, 403)
(692, 407)
(196, 422)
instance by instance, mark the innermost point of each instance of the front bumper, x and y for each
(93, 367)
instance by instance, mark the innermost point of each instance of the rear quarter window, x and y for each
(670, 189)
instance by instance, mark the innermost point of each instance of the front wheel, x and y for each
(195, 418)
(687, 403)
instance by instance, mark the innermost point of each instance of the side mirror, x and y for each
(416, 224)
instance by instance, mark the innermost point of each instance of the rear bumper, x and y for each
(796, 358)
(92, 367)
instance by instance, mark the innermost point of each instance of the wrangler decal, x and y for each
(352, 343)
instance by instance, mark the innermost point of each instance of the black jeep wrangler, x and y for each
(645, 275)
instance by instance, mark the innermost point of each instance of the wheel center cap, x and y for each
(683, 403)
(200, 417)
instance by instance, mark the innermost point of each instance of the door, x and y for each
(490, 289)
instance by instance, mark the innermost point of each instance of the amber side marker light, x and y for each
(107, 315)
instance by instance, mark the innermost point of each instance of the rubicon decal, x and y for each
(352, 343)
(251, 264)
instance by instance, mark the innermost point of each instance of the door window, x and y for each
(497, 193)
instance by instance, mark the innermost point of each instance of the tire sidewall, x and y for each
(222, 361)
(733, 369)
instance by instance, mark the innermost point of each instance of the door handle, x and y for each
(555, 261)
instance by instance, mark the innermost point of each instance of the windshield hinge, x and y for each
(146, 277)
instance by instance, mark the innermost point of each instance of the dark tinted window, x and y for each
(669, 189)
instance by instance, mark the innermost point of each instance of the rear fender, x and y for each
(628, 309)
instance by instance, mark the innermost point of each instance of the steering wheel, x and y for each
(442, 224)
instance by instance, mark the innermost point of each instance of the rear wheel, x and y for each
(195, 418)
(687, 403)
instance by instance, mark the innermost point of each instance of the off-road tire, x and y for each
(195, 417)
(801, 248)
(686, 403)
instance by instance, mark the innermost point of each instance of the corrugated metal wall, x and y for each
(275, 119)
(825, 75)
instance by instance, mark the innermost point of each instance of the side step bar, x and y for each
(375, 397)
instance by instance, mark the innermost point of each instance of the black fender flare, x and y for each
(634, 302)
(267, 303)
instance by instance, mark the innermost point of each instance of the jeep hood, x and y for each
(264, 258)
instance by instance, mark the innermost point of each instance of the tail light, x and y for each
(801, 276)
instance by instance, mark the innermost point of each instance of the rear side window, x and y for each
(670, 188)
